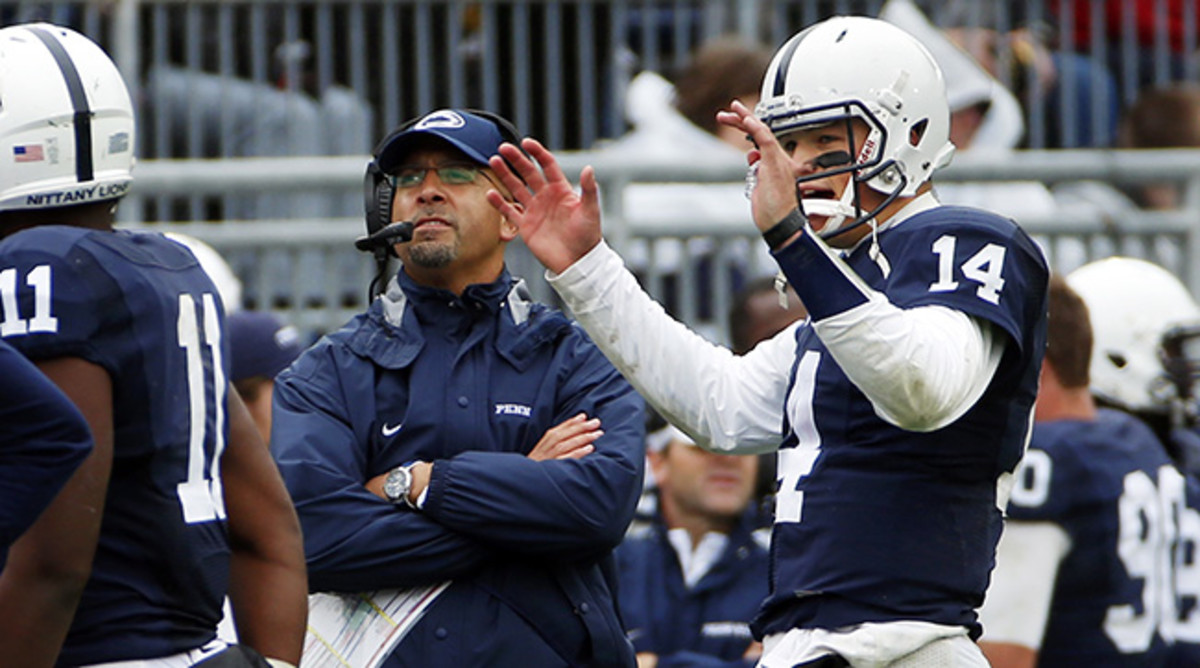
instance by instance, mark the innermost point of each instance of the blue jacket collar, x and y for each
(390, 335)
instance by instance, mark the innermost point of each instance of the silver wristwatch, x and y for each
(397, 484)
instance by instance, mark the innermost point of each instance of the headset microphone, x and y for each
(385, 237)
(380, 244)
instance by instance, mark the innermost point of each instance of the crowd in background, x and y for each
(1007, 72)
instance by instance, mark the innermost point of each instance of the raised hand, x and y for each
(774, 193)
(570, 439)
(558, 224)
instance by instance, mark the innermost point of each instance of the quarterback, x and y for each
(900, 407)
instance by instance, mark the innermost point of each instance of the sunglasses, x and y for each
(451, 175)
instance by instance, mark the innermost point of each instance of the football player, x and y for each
(901, 411)
(1098, 525)
(1145, 322)
(180, 501)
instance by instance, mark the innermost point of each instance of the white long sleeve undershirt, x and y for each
(921, 368)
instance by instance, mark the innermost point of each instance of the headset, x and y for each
(378, 193)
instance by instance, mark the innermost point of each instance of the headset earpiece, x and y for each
(377, 189)
(377, 205)
(377, 195)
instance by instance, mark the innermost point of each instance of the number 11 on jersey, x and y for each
(201, 496)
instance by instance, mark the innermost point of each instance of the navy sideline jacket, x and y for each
(470, 383)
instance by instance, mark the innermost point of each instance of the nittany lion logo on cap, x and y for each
(441, 119)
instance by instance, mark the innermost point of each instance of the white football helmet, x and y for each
(857, 67)
(66, 121)
(1133, 305)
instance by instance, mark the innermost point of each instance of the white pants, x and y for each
(887, 645)
(181, 660)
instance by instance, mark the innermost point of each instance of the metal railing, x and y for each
(318, 280)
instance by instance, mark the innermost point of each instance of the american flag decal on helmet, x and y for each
(28, 153)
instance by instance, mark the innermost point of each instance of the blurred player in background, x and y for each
(261, 345)
(180, 502)
(1085, 571)
(1146, 362)
(904, 406)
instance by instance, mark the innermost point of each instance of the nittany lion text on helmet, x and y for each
(71, 140)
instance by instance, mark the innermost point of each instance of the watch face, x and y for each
(397, 484)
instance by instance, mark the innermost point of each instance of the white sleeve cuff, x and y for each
(575, 274)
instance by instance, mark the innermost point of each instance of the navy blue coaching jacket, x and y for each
(470, 383)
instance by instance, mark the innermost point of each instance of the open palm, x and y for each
(774, 194)
(558, 224)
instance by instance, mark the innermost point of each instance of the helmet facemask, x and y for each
(867, 164)
(1179, 353)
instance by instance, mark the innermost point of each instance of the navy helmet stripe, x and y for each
(785, 61)
(84, 168)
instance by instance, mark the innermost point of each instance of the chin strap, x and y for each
(781, 285)
(836, 212)
(876, 253)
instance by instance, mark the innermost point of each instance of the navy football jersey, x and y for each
(1110, 486)
(139, 306)
(875, 523)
